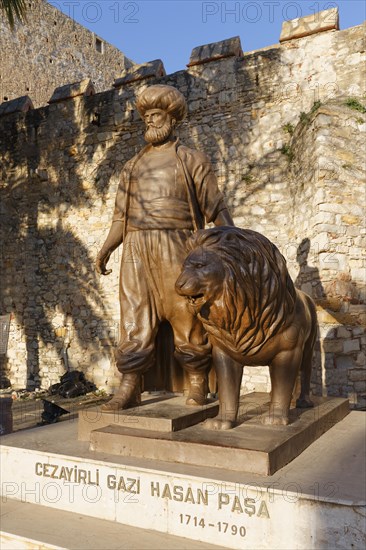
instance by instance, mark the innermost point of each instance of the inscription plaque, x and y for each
(209, 511)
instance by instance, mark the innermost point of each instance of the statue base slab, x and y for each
(163, 414)
(257, 448)
(316, 501)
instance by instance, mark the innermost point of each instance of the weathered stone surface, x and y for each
(152, 69)
(304, 26)
(359, 375)
(19, 105)
(68, 91)
(217, 50)
(53, 49)
(351, 345)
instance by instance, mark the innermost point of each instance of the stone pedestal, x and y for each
(173, 432)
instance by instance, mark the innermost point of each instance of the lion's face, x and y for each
(201, 279)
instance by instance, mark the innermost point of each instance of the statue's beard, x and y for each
(158, 135)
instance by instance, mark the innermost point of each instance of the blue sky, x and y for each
(169, 29)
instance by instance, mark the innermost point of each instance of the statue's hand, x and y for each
(101, 263)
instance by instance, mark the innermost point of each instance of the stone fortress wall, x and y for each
(284, 127)
(51, 49)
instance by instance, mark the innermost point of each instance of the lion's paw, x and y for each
(218, 424)
(272, 420)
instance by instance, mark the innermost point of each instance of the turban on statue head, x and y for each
(163, 97)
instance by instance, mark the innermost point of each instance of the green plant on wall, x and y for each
(287, 150)
(288, 128)
(305, 117)
(354, 104)
(247, 178)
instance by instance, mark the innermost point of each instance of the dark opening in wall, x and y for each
(6, 98)
(99, 45)
(95, 119)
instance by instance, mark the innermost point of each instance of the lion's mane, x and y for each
(258, 293)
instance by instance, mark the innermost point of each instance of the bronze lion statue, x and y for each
(238, 284)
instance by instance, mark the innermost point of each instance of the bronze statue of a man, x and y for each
(166, 192)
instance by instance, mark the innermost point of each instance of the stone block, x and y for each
(332, 261)
(360, 386)
(357, 375)
(351, 345)
(311, 24)
(343, 363)
(216, 50)
(151, 69)
(68, 91)
(351, 220)
(18, 105)
(342, 332)
(358, 274)
(160, 414)
(332, 346)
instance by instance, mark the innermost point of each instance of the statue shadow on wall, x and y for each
(331, 364)
(308, 280)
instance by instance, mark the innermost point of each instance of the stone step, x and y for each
(27, 526)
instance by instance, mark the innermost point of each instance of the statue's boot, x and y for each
(128, 395)
(198, 390)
